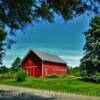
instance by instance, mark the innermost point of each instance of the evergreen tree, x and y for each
(16, 65)
(90, 63)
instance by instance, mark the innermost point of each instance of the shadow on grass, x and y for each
(89, 81)
(14, 95)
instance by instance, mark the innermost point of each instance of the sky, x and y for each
(64, 39)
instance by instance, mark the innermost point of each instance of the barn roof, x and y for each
(48, 57)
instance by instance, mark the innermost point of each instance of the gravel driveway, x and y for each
(18, 93)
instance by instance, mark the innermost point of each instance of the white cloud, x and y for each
(72, 60)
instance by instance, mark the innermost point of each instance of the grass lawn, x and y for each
(68, 85)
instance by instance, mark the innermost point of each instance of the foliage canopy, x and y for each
(16, 14)
(15, 65)
(90, 63)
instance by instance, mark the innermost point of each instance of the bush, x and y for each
(21, 76)
(7, 76)
(52, 76)
(4, 69)
(96, 77)
(75, 71)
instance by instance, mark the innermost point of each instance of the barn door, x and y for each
(30, 72)
(36, 71)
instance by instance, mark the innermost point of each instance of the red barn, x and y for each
(41, 64)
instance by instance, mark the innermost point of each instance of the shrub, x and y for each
(4, 69)
(96, 77)
(75, 71)
(21, 76)
(52, 76)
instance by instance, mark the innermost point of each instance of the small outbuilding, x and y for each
(41, 64)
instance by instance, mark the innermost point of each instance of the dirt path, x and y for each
(36, 94)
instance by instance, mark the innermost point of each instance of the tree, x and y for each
(16, 14)
(2, 38)
(16, 64)
(90, 63)
(75, 71)
(3, 69)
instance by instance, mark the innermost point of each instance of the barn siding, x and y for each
(50, 68)
(30, 64)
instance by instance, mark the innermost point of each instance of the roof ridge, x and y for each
(48, 56)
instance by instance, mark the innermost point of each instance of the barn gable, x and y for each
(45, 56)
(28, 54)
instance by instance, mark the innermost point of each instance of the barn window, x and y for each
(62, 70)
(29, 61)
(54, 69)
(46, 71)
(35, 66)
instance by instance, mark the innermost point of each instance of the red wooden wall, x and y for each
(32, 64)
(50, 68)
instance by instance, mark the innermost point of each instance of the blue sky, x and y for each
(62, 38)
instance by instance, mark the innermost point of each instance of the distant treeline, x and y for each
(74, 71)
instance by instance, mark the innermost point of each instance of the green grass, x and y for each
(68, 85)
